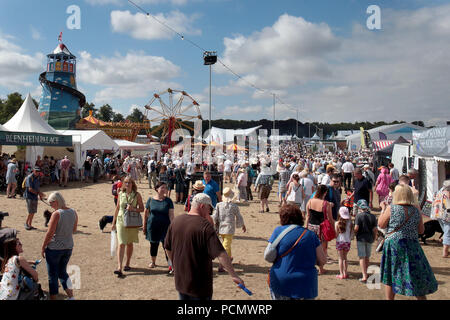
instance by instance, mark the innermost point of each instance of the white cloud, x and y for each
(15, 66)
(138, 2)
(399, 73)
(134, 75)
(237, 111)
(35, 34)
(143, 27)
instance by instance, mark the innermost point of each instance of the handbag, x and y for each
(286, 253)
(380, 244)
(327, 230)
(270, 254)
(132, 219)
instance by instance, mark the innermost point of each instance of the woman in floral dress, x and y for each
(404, 267)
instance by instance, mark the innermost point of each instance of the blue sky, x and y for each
(317, 56)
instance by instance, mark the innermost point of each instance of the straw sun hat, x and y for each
(198, 185)
(228, 194)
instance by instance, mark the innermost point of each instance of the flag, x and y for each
(382, 136)
(60, 37)
(363, 142)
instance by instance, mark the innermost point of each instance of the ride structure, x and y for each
(172, 115)
(60, 103)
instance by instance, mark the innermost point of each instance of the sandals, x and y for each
(126, 268)
(152, 265)
(362, 280)
(340, 277)
(119, 273)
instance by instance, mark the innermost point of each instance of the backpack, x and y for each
(24, 182)
(153, 166)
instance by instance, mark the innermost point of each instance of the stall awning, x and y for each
(381, 144)
(12, 138)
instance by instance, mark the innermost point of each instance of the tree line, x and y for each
(10, 105)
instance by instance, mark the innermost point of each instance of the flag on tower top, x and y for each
(60, 37)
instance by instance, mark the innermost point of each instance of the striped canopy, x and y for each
(381, 144)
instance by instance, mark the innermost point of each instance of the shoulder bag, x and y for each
(327, 230)
(287, 252)
(380, 244)
(132, 219)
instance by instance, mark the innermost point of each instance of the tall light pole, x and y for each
(274, 112)
(297, 123)
(209, 58)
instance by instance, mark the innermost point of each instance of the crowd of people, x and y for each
(324, 200)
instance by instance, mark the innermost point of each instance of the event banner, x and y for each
(34, 139)
(433, 142)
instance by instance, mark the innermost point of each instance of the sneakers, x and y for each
(102, 223)
(267, 209)
(170, 270)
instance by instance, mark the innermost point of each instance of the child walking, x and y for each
(366, 233)
(344, 234)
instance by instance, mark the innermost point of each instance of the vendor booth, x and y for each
(433, 146)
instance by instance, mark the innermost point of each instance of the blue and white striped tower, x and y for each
(60, 102)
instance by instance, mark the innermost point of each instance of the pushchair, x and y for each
(29, 289)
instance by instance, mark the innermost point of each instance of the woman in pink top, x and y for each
(382, 185)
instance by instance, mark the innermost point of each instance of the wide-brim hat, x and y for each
(343, 212)
(228, 193)
(198, 185)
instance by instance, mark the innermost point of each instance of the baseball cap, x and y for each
(37, 169)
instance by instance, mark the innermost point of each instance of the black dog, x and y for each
(431, 227)
(47, 216)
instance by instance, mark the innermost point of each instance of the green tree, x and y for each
(10, 106)
(105, 113)
(118, 117)
(86, 108)
(136, 116)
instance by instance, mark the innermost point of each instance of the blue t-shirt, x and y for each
(211, 190)
(295, 275)
(33, 183)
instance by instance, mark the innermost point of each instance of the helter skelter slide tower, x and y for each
(60, 102)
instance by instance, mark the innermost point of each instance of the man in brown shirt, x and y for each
(192, 244)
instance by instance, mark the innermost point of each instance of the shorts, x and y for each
(446, 228)
(364, 249)
(32, 206)
(345, 246)
(264, 192)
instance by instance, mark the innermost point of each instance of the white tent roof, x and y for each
(91, 139)
(315, 137)
(2, 128)
(220, 135)
(129, 145)
(27, 119)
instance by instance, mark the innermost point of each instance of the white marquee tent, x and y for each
(392, 132)
(27, 119)
(221, 136)
(85, 140)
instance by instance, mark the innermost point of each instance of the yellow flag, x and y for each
(363, 141)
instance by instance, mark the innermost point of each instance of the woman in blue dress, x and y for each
(159, 213)
(404, 267)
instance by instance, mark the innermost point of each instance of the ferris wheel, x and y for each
(173, 114)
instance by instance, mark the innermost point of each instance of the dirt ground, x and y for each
(92, 253)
